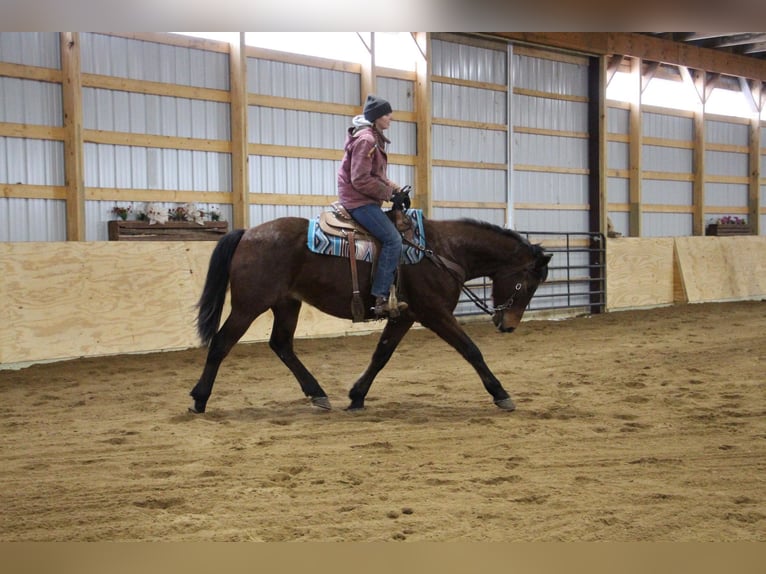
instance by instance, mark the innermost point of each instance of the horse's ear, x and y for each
(543, 261)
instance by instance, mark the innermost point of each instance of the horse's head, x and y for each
(513, 289)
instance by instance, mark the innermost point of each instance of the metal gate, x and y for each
(576, 278)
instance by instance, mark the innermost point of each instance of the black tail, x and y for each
(211, 302)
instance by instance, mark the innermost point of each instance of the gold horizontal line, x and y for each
(154, 88)
(179, 196)
(24, 191)
(469, 164)
(32, 131)
(155, 141)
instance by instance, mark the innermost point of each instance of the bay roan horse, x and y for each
(271, 267)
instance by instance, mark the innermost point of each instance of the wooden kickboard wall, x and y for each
(722, 268)
(62, 300)
(74, 299)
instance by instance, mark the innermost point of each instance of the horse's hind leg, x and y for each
(281, 342)
(233, 328)
(391, 336)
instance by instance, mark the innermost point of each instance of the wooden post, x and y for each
(698, 158)
(597, 73)
(423, 198)
(239, 154)
(635, 143)
(73, 142)
(754, 188)
(367, 85)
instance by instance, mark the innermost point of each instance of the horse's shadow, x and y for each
(287, 413)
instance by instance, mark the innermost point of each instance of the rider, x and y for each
(363, 187)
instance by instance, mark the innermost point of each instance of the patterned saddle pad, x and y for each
(324, 244)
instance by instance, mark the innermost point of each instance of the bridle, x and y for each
(458, 274)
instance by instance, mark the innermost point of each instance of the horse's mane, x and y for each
(536, 249)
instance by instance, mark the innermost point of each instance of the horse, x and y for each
(270, 266)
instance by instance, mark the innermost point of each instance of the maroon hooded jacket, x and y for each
(362, 176)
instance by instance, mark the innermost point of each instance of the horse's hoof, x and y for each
(322, 403)
(196, 409)
(354, 409)
(506, 404)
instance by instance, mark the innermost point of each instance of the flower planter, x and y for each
(171, 231)
(728, 229)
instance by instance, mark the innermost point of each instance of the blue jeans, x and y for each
(374, 220)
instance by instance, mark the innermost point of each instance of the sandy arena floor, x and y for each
(641, 425)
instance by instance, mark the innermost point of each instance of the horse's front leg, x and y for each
(281, 342)
(391, 336)
(451, 332)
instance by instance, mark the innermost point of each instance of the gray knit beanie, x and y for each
(375, 108)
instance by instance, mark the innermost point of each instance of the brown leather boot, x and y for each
(383, 308)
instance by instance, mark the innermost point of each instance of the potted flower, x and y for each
(728, 225)
(155, 222)
(122, 212)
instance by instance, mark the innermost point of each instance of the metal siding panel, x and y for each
(400, 93)
(620, 222)
(550, 220)
(464, 184)
(403, 136)
(617, 155)
(550, 114)
(469, 62)
(286, 80)
(32, 219)
(467, 144)
(661, 192)
(551, 151)
(30, 102)
(666, 126)
(726, 133)
(674, 160)
(726, 195)
(469, 104)
(618, 190)
(552, 188)
(726, 163)
(666, 224)
(31, 49)
(618, 121)
(550, 76)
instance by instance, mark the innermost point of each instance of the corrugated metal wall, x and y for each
(617, 165)
(493, 107)
(550, 169)
(470, 127)
(29, 161)
(727, 167)
(662, 193)
(137, 167)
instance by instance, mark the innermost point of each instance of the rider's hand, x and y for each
(401, 198)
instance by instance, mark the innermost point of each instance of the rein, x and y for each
(458, 274)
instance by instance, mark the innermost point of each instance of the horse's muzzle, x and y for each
(498, 320)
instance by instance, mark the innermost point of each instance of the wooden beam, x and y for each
(634, 151)
(646, 48)
(423, 193)
(239, 154)
(612, 67)
(598, 147)
(73, 141)
(367, 78)
(648, 74)
(754, 186)
(698, 157)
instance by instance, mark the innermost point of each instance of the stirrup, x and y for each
(390, 307)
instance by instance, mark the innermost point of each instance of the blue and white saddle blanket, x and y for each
(320, 242)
